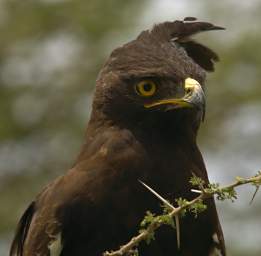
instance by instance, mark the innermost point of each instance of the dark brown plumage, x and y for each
(99, 203)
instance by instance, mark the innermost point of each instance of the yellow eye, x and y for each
(146, 88)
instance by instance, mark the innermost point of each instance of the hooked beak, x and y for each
(194, 98)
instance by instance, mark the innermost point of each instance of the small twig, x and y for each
(158, 195)
(205, 193)
(254, 195)
(196, 191)
(166, 202)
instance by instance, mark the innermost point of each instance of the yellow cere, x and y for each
(146, 88)
(190, 84)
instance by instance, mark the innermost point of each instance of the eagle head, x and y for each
(159, 74)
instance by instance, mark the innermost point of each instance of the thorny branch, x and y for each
(196, 206)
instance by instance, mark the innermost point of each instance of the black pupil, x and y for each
(147, 87)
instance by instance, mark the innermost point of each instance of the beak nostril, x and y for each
(188, 90)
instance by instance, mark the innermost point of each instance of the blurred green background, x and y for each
(50, 54)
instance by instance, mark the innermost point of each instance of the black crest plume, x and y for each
(180, 32)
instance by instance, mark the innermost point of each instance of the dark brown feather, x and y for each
(180, 29)
(180, 32)
(189, 19)
(21, 231)
(201, 54)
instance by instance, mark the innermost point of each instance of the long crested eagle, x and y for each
(148, 105)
